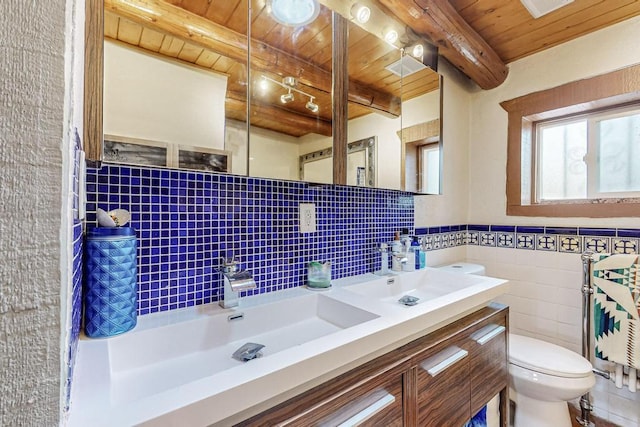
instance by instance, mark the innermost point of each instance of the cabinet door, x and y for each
(443, 385)
(488, 362)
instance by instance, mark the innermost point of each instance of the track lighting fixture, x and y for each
(289, 84)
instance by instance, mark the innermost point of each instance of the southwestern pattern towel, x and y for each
(616, 308)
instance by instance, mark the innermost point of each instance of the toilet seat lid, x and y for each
(546, 358)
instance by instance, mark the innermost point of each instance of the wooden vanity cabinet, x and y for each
(371, 393)
(440, 379)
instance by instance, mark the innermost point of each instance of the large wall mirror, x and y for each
(178, 76)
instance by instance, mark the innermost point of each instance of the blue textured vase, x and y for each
(111, 296)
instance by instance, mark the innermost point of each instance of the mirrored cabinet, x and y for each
(248, 87)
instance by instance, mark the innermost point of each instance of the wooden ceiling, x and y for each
(211, 34)
(513, 33)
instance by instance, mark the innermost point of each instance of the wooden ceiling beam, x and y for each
(438, 21)
(237, 102)
(189, 27)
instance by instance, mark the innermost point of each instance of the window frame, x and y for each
(619, 87)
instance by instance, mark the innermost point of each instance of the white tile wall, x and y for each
(545, 302)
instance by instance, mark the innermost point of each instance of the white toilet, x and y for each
(543, 378)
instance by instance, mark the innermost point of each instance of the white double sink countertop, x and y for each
(175, 368)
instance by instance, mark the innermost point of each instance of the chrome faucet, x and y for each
(398, 259)
(235, 280)
(383, 249)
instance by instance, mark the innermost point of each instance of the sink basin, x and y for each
(424, 284)
(148, 360)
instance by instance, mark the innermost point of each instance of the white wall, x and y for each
(235, 140)
(545, 299)
(273, 155)
(421, 109)
(36, 118)
(597, 53)
(151, 98)
(388, 151)
(451, 206)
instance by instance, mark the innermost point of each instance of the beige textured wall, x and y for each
(597, 53)
(32, 91)
(451, 207)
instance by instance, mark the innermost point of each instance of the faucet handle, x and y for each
(229, 264)
(382, 247)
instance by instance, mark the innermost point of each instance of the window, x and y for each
(574, 150)
(429, 168)
(592, 156)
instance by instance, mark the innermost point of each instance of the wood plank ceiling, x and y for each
(504, 24)
(513, 33)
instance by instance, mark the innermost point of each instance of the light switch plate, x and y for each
(307, 217)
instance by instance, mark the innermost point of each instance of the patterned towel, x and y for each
(616, 308)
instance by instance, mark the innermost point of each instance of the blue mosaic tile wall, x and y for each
(186, 221)
(76, 277)
(540, 238)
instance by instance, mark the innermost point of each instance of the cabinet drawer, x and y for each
(379, 406)
(488, 362)
(357, 400)
(443, 385)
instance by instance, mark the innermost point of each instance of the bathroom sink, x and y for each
(148, 360)
(424, 284)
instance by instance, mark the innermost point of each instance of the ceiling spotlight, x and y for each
(417, 51)
(289, 81)
(360, 13)
(287, 97)
(391, 36)
(312, 106)
(294, 13)
(264, 84)
(289, 84)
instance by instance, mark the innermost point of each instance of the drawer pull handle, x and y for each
(482, 336)
(441, 361)
(369, 411)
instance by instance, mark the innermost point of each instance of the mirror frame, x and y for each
(368, 145)
(93, 81)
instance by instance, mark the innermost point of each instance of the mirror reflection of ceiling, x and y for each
(216, 34)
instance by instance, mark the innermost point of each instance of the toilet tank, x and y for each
(465, 267)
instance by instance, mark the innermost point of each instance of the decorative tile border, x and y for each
(185, 221)
(540, 238)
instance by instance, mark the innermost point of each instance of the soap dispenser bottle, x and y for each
(423, 254)
(410, 265)
(417, 253)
